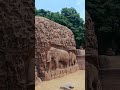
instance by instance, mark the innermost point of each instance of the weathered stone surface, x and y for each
(110, 52)
(92, 78)
(54, 43)
(104, 62)
(91, 45)
(60, 72)
(37, 79)
(16, 44)
(81, 58)
(91, 56)
(49, 32)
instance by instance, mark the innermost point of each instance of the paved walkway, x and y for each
(76, 79)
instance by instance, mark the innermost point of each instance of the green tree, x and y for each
(77, 26)
(105, 14)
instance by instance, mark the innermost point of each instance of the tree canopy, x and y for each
(69, 18)
(106, 17)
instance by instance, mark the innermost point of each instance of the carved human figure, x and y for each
(72, 58)
(57, 55)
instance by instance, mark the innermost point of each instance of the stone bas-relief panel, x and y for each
(91, 56)
(55, 49)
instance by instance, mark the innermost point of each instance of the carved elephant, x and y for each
(57, 55)
(72, 58)
(92, 78)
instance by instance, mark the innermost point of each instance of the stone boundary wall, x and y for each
(81, 59)
(58, 73)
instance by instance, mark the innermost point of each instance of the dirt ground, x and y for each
(76, 79)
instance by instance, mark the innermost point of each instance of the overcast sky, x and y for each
(57, 5)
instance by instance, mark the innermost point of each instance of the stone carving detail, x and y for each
(91, 53)
(54, 46)
(72, 59)
(57, 55)
(91, 45)
(92, 78)
(81, 58)
(37, 79)
(16, 44)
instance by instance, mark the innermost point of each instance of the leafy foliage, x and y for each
(105, 14)
(69, 18)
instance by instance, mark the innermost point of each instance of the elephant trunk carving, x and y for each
(57, 55)
(72, 58)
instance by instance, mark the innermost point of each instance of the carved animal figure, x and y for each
(57, 55)
(72, 58)
(92, 78)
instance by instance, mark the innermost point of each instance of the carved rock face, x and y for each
(88, 22)
(50, 34)
(91, 53)
(91, 41)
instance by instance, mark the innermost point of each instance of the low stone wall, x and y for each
(81, 62)
(49, 75)
(81, 59)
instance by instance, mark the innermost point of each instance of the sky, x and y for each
(57, 5)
